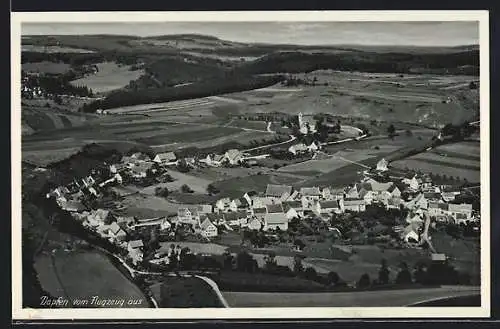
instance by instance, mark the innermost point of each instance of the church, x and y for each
(306, 126)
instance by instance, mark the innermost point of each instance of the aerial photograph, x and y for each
(250, 164)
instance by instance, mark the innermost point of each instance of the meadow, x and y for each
(110, 76)
(82, 275)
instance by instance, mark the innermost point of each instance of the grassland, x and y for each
(456, 160)
(82, 275)
(109, 77)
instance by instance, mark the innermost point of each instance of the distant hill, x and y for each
(36, 119)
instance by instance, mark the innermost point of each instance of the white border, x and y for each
(18, 313)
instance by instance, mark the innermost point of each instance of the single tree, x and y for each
(364, 281)
(383, 273)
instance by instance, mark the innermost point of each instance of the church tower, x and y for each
(301, 120)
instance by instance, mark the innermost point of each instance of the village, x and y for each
(271, 212)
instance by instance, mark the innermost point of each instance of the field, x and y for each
(383, 298)
(460, 160)
(109, 77)
(184, 292)
(82, 275)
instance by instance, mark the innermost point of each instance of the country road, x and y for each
(380, 298)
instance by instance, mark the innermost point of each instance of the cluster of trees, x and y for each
(294, 81)
(199, 89)
(433, 273)
(79, 59)
(56, 85)
(466, 62)
(458, 132)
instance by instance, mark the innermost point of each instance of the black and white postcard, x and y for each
(218, 165)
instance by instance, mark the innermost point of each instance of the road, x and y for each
(381, 298)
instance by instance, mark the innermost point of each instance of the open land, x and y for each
(109, 77)
(82, 275)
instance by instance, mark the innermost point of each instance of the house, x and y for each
(135, 245)
(135, 251)
(294, 196)
(293, 209)
(411, 180)
(328, 207)
(139, 170)
(204, 209)
(70, 205)
(116, 232)
(254, 223)
(259, 202)
(298, 149)
(310, 193)
(274, 221)
(165, 225)
(382, 165)
(440, 258)
(418, 202)
(214, 160)
(313, 147)
(448, 196)
(437, 208)
(460, 212)
(140, 156)
(188, 215)
(208, 229)
(98, 217)
(259, 213)
(426, 182)
(394, 203)
(355, 205)
(237, 218)
(165, 158)
(222, 204)
(410, 234)
(277, 191)
(233, 157)
(235, 205)
(217, 218)
(414, 219)
(352, 192)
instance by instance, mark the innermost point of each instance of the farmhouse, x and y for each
(116, 233)
(298, 149)
(411, 180)
(310, 193)
(222, 204)
(259, 212)
(204, 208)
(328, 207)
(293, 209)
(460, 212)
(187, 215)
(410, 234)
(233, 157)
(275, 220)
(237, 218)
(306, 126)
(214, 160)
(70, 205)
(355, 205)
(217, 218)
(165, 158)
(313, 147)
(208, 229)
(254, 223)
(277, 191)
(382, 165)
(418, 202)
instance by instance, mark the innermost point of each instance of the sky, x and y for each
(302, 33)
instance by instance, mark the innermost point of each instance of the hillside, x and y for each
(36, 119)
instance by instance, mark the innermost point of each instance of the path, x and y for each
(292, 138)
